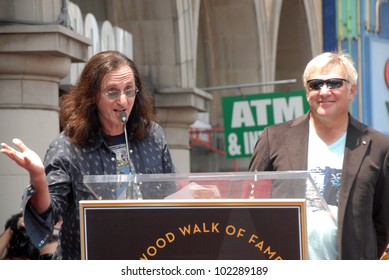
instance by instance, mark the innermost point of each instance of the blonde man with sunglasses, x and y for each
(348, 160)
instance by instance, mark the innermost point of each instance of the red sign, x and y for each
(387, 73)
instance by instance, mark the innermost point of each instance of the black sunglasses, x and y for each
(333, 83)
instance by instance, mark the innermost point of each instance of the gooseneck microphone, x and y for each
(123, 118)
(137, 194)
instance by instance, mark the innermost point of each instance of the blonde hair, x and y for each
(326, 60)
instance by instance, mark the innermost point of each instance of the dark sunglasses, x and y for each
(333, 83)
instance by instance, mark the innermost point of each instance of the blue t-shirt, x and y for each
(325, 166)
(117, 144)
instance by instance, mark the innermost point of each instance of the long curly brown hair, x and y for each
(78, 109)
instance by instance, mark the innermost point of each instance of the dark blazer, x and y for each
(363, 209)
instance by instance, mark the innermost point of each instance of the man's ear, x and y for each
(353, 92)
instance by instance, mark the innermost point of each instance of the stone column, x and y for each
(35, 54)
(177, 110)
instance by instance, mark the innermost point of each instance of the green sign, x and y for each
(245, 117)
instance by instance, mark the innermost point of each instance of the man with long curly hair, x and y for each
(108, 101)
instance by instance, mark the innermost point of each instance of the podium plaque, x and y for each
(194, 229)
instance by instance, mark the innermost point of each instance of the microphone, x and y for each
(138, 194)
(123, 116)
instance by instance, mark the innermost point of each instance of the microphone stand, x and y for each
(131, 192)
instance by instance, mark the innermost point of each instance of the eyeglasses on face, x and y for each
(333, 83)
(115, 94)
